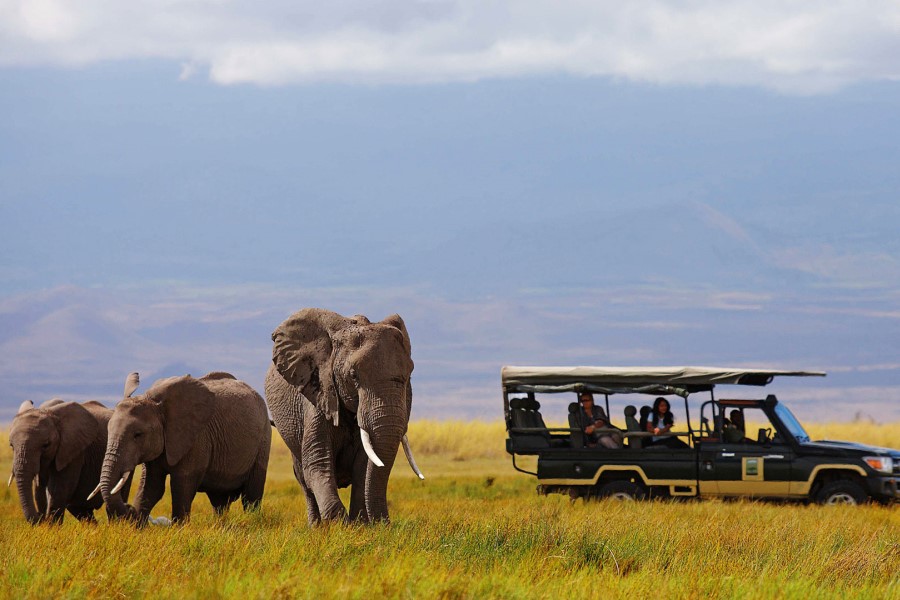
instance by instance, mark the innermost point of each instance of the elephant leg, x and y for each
(318, 468)
(84, 514)
(61, 491)
(220, 501)
(252, 494)
(40, 498)
(55, 512)
(150, 491)
(358, 488)
(312, 509)
(184, 488)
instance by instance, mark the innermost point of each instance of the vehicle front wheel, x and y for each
(621, 490)
(841, 492)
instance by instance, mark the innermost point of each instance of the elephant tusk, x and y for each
(121, 483)
(95, 492)
(409, 457)
(367, 446)
(9, 483)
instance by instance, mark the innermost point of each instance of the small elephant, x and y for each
(61, 446)
(340, 395)
(209, 435)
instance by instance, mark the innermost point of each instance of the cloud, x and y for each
(796, 47)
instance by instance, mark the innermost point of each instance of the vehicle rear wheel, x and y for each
(621, 490)
(841, 492)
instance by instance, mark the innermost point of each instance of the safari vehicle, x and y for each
(717, 459)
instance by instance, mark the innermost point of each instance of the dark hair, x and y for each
(668, 419)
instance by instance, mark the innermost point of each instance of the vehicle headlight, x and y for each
(883, 464)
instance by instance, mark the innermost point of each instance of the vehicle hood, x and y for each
(853, 447)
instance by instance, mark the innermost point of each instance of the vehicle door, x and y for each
(750, 457)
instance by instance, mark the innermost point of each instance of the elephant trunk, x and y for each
(110, 476)
(385, 429)
(24, 472)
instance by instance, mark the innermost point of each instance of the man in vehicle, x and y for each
(592, 418)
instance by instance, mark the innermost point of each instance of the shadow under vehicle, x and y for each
(717, 459)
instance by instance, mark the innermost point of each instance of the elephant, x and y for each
(340, 396)
(61, 446)
(210, 435)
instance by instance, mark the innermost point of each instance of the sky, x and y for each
(531, 183)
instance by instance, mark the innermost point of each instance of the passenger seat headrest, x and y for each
(630, 411)
(524, 404)
(529, 404)
(573, 407)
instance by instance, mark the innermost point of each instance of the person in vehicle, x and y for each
(733, 431)
(591, 418)
(660, 422)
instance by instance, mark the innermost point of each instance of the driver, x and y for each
(591, 418)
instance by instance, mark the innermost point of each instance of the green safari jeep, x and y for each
(722, 457)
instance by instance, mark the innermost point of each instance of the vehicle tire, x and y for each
(621, 490)
(842, 491)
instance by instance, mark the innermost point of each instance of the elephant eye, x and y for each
(138, 434)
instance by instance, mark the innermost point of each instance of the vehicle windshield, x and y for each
(791, 422)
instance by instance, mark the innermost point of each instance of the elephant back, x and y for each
(240, 423)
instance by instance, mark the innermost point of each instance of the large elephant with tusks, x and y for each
(340, 395)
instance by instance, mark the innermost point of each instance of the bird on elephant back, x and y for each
(210, 435)
(340, 396)
(58, 450)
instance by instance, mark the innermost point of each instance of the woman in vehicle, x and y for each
(660, 423)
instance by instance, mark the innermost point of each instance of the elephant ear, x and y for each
(187, 406)
(131, 383)
(303, 353)
(77, 429)
(397, 322)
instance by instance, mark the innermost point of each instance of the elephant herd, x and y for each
(338, 391)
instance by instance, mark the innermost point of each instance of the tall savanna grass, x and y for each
(474, 528)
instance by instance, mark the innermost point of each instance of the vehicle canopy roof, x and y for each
(628, 380)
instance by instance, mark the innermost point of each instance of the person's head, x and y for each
(586, 399)
(661, 411)
(660, 406)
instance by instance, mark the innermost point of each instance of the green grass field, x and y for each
(475, 528)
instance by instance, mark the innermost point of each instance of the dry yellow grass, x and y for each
(474, 528)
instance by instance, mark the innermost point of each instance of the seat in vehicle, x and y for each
(576, 436)
(524, 420)
(632, 426)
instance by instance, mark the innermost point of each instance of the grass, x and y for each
(474, 528)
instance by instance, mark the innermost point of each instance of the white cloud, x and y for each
(797, 47)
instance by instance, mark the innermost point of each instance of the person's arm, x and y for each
(666, 428)
(584, 422)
